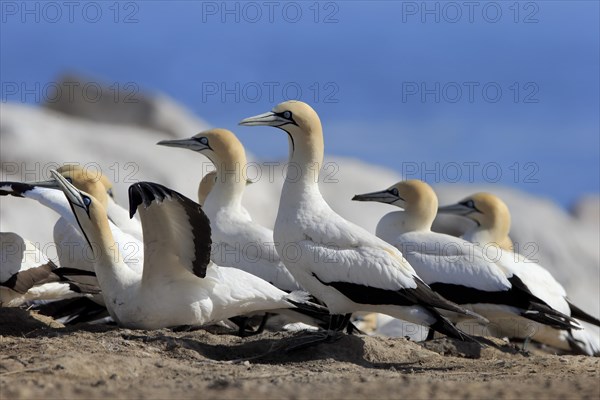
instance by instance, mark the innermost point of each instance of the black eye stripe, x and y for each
(287, 114)
(203, 140)
(283, 114)
(470, 204)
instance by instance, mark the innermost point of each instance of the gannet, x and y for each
(117, 214)
(492, 219)
(238, 241)
(26, 274)
(338, 262)
(71, 247)
(179, 284)
(492, 224)
(206, 185)
(454, 267)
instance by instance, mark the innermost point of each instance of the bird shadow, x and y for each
(19, 322)
(282, 348)
(218, 345)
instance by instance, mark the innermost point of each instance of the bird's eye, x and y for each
(287, 114)
(87, 201)
(470, 204)
(69, 179)
(394, 191)
(203, 140)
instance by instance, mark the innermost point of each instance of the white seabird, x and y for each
(207, 183)
(205, 186)
(179, 284)
(492, 219)
(457, 269)
(238, 241)
(492, 223)
(72, 248)
(117, 214)
(338, 262)
(26, 274)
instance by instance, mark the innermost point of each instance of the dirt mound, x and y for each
(41, 359)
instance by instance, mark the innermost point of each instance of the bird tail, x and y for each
(578, 313)
(444, 326)
(548, 316)
(22, 281)
(75, 278)
(426, 296)
(581, 343)
(72, 311)
(538, 310)
(302, 301)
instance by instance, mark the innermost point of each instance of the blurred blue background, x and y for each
(532, 115)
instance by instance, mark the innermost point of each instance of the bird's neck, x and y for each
(305, 162)
(399, 222)
(111, 270)
(494, 232)
(480, 236)
(229, 185)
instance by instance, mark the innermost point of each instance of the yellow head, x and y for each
(89, 181)
(301, 123)
(221, 146)
(416, 197)
(89, 212)
(487, 210)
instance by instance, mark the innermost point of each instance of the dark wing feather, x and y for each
(147, 195)
(578, 313)
(14, 188)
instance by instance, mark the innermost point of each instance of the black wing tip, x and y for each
(16, 188)
(426, 296)
(552, 320)
(66, 272)
(147, 192)
(75, 310)
(200, 269)
(578, 313)
(301, 300)
(542, 311)
(202, 236)
(445, 327)
(134, 200)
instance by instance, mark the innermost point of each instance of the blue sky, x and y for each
(434, 89)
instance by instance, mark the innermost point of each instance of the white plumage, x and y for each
(179, 284)
(336, 261)
(26, 274)
(238, 241)
(482, 278)
(72, 248)
(543, 312)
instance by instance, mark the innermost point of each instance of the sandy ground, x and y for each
(41, 359)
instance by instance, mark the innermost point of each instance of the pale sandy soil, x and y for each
(39, 359)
